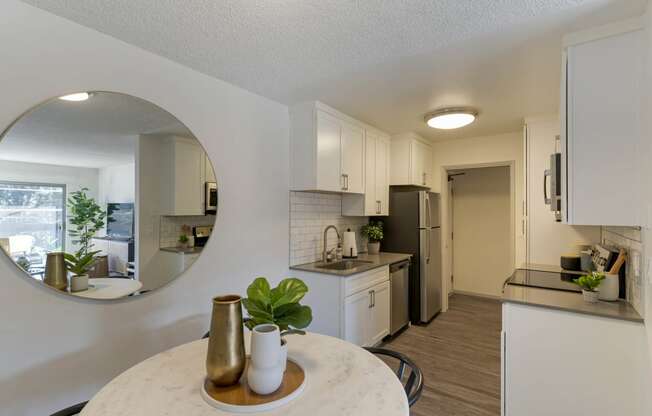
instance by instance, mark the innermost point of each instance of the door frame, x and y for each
(447, 243)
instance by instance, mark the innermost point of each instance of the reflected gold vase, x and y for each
(225, 360)
(56, 274)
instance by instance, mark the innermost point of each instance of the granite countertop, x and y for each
(570, 302)
(179, 250)
(377, 260)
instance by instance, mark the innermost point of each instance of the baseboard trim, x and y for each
(474, 294)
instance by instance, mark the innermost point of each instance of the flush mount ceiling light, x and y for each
(451, 118)
(79, 96)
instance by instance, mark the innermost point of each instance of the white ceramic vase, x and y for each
(265, 372)
(373, 248)
(610, 287)
(590, 297)
(79, 283)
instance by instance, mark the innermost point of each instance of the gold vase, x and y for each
(56, 274)
(225, 361)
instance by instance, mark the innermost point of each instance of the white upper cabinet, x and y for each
(376, 194)
(411, 161)
(602, 96)
(326, 150)
(185, 177)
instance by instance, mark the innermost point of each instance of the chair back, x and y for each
(70, 411)
(412, 379)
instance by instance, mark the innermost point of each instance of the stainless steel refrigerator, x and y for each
(413, 227)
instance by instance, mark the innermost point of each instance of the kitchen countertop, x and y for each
(378, 260)
(570, 302)
(179, 250)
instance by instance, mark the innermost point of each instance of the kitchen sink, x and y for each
(343, 265)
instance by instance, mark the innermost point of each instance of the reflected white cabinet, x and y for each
(326, 150)
(602, 98)
(375, 200)
(184, 175)
(411, 161)
(354, 308)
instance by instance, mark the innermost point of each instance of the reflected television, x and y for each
(120, 220)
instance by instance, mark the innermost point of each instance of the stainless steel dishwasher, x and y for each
(399, 280)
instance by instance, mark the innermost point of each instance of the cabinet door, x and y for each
(209, 172)
(328, 153)
(426, 156)
(416, 164)
(370, 199)
(380, 311)
(604, 79)
(356, 318)
(353, 158)
(188, 178)
(381, 176)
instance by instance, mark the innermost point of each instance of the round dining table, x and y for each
(341, 379)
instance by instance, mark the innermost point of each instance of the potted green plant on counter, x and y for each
(589, 283)
(79, 265)
(374, 233)
(279, 306)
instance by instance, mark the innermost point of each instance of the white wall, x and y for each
(56, 350)
(117, 184)
(73, 177)
(502, 149)
(483, 243)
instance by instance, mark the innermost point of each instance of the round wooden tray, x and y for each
(239, 398)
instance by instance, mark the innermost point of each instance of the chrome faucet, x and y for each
(325, 257)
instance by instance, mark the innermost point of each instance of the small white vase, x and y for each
(265, 372)
(79, 283)
(590, 297)
(610, 287)
(373, 248)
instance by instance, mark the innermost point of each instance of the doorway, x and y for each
(481, 229)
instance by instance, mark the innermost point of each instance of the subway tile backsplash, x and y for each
(310, 214)
(628, 238)
(171, 227)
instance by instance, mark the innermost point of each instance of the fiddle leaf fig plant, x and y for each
(590, 282)
(279, 305)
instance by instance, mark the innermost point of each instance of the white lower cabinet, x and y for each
(567, 364)
(355, 308)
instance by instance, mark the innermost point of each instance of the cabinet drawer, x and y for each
(358, 282)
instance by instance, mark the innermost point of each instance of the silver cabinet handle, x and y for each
(424, 178)
(546, 199)
(345, 179)
(371, 297)
(378, 209)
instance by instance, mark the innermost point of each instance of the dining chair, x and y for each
(413, 383)
(70, 411)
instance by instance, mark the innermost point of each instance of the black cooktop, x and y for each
(547, 280)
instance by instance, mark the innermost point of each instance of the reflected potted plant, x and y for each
(79, 265)
(374, 233)
(279, 306)
(589, 283)
(185, 240)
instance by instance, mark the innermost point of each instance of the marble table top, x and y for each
(342, 379)
(109, 288)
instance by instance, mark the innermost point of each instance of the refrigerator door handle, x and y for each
(428, 213)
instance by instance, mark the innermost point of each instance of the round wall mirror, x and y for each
(104, 195)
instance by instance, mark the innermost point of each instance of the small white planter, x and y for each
(610, 287)
(590, 297)
(265, 372)
(79, 283)
(373, 248)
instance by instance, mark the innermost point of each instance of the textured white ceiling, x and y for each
(386, 62)
(95, 133)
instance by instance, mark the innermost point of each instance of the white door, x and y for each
(380, 313)
(188, 175)
(370, 196)
(328, 153)
(356, 318)
(353, 158)
(382, 176)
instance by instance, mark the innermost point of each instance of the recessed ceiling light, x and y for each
(451, 118)
(79, 96)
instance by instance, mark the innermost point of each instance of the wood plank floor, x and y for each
(459, 354)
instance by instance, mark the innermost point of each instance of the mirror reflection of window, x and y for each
(118, 184)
